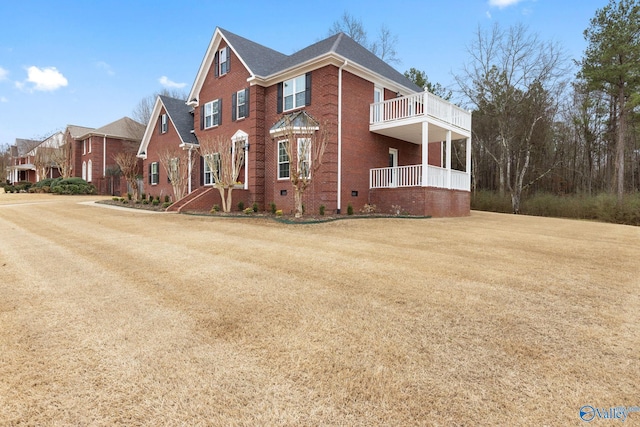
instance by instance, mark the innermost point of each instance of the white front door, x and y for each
(393, 163)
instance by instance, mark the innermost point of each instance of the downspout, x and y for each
(190, 170)
(340, 136)
(104, 155)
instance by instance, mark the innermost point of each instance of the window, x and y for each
(283, 160)
(163, 123)
(294, 93)
(154, 173)
(210, 174)
(84, 146)
(211, 113)
(240, 105)
(84, 170)
(221, 61)
(89, 167)
(304, 157)
(89, 144)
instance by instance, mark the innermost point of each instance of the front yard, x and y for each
(116, 317)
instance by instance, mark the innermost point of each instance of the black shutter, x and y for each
(228, 59)
(150, 173)
(246, 102)
(234, 106)
(215, 64)
(201, 171)
(307, 94)
(279, 98)
(160, 127)
(202, 117)
(220, 111)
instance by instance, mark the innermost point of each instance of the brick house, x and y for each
(21, 167)
(94, 151)
(392, 144)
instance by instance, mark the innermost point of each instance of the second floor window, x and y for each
(211, 113)
(294, 93)
(221, 61)
(240, 105)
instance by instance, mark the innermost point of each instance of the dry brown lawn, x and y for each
(121, 317)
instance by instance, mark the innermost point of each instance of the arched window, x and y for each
(84, 170)
(89, 171)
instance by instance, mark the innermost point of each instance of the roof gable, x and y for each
(266, 64)
(179, 115)
(124, 128)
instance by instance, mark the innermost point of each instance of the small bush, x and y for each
(369, 209)
(248, 211)
(128, 196)
(143, 196)
(349, 209)
(125, 201)
(115, 199)
(255, 207)
(240, 206)
(167, 199)
(273, 208)
(156, 202)
(215, 208)
(278, 212)
(322, 209)
(165, 205)
(145, 202)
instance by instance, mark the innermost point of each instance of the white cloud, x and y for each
(3, 99)
(488, 14)
(164, 81)
(44, 79)
(501, 4)
(101, 65)
(3, 74)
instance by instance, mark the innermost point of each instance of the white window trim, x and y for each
(282, 142)
(164, 127)
(208, 172)
(294, 92)
(84, 170)
(212, 115)
(156, 173)
(84, 147)
(89, 144)
(89, 171)
(238, 116)
(222, 52)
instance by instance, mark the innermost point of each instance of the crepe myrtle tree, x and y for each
(177, 163)
(303, 142)
(224, 157)
(61, 157)
(127, 161)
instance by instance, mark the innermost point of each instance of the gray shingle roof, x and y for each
(23, 146)
(259, 58)
(124, 128)
(264, 62)
(180, 114)
(77, 131)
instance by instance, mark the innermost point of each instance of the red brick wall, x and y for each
(427, 201)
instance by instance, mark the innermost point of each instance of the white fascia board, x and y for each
(148, 131)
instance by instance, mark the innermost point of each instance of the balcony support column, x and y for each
(448, 159)
(425, 152)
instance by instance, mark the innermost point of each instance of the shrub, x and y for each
(145, 202)
(349, 209)
(128, 196)
(165, 205)
(167, 199)
(156, 202)
(125, 201)
(215, 208)
(278, 212)
(369, 209)
(255, 207)
(272, 205)
(248, 211)
(143, 196)
(321, 209)
(115, 199)
(240, 206)
(72, 186)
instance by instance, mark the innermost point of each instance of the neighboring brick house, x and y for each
(391, 143)
(21, 167)
(95, 149)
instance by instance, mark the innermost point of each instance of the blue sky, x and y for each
(89, 63)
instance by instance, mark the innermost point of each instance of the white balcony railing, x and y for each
(411, 176)
(411, 106)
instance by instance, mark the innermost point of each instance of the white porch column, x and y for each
(425, 152)
(448, 159)
(468, 165)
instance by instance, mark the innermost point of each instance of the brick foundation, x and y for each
(428, 201)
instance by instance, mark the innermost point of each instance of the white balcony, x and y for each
(402, 118)
(411, 176)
